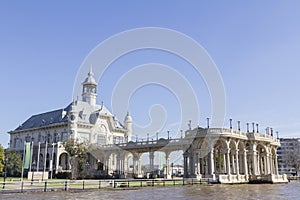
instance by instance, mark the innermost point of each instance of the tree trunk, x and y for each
(74, 168)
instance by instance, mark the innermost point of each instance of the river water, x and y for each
(217, 191)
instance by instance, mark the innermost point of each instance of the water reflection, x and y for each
(246, 191)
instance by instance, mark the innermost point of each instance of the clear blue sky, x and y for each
(255, 44)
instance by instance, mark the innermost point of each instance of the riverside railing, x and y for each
(69, 185)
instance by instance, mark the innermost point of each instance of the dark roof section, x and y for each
(45, 119)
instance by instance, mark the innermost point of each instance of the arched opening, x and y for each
(220, 149)
(202, 160)
(273, 161)
(262, 159)
(242, 158)
(63, 162)
(233, 158)
(128, 165)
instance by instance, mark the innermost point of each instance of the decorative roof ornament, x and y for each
(90, 80)
(91, 71)
(128, 117)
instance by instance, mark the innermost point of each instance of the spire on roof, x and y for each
(91, 71)
(128, 117)
(90, 80)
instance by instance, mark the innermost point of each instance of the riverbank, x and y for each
(13, 186)
(191, 192)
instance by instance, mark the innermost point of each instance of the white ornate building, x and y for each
(223, 155)
(82, 119)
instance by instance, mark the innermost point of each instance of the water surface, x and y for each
(218, 191)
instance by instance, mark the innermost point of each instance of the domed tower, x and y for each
(128, 126)
(89, 94)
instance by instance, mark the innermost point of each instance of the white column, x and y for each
(198, 163)
(139, 166)
(254, 162)
(268, 164)
(212, 167)
(224, 163)
(271, 164)
(135, 169)
(276, 165)
(228, 162)
(233, 163)
(258, 163)
(237, 162)
(38, 157)
(167, 156)
(105, 162)
(118, 162)
(245, 163)
(125, 164)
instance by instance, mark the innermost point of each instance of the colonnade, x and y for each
(230, 158)
(118, 161)
(222, 155)
(222, 158)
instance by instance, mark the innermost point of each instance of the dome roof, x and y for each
(90, 80)
(128, 118)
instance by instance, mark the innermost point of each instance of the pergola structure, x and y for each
(223, 155)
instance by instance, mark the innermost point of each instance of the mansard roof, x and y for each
(45, 119)
(86, 113)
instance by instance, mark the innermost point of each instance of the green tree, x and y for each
(2, 155)
(78, 154)
(14, 163)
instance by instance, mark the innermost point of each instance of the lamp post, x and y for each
(257, 128)
(207, 119)
(230, 123)
(239, 125)
(271, 131)
(5, 169)
(247, 127)
(253, 129)
(168, 135)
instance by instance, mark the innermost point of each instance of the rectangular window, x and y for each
(64, 136)
(101, 139)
